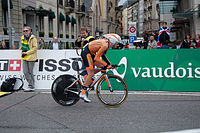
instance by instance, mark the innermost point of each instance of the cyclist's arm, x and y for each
(106, 59)
(99, 54)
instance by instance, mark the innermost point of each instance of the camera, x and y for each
(23, 55)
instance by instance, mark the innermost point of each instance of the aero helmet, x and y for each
(113, 38)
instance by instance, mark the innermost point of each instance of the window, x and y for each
(50, 25)
(111, 4)
(41, 23)
(61, 27)
(60, 2)
(72, 30)
(67, 28)
(4, 18)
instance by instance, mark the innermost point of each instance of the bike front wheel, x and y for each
(114, 96)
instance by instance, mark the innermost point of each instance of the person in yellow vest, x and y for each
(84, 39)
(29, 56)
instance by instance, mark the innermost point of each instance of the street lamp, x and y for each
(9, 25)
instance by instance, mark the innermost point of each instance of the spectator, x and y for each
(42, 44)
(164, 36)
(121, 45)
(186, 41)
(55, 45)
(192, 43)
(152, 43)
(138, 46)
(3, 45)
(13, 46)
(78, 42)
(198, 40)
(155, 36)
(29, 56)
(126, 46)
(86, 38)
(178, 45)
(145, 42)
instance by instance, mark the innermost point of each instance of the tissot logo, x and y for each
(10, 65)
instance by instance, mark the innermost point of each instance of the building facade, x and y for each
(93, 17)
(132, 14)
(61, 18)
(166, 9)
(125, 22)
(151, 16)
(111, 18)
(15, 17)
(187, 18)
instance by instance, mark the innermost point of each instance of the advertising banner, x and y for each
(50, 64)
(143, 70)
(158, 70)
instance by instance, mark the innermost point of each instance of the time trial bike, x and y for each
(111, 90)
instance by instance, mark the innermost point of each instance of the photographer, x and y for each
(84, 38)
(29, 56)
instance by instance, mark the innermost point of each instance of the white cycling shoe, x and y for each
(85, 98)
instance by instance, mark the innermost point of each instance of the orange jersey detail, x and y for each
(98, 48)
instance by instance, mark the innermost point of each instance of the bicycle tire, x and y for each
(115, 98)
(58, 90)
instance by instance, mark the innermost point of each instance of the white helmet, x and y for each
(113, 38)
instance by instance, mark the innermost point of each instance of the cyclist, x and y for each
(91, 54)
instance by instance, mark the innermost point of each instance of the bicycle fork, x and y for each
(108, 82)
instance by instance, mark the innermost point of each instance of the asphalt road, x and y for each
(143, 112)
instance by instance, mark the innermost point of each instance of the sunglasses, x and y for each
(25, 30)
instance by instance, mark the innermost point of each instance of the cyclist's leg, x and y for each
(87, 60)
(90, 71)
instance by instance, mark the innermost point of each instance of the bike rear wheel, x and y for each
(114, 97)
(63, 96)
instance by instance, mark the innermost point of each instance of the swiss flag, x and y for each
(14, 65)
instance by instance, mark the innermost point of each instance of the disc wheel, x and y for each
(59, 93)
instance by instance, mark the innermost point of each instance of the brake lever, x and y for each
(114, 66)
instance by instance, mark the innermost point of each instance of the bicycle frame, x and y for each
(103, 74)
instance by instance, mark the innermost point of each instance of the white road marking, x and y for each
(185, 131)
(164, 93)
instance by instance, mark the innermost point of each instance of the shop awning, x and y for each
(42, 12)
(73, 20)
(29, 9)
(52, 15)
(68, 20)
(181, 21)
(183, 14)
(5, 4)
(62, 17)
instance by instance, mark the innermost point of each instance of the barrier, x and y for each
(144, 70)
(159, 70)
